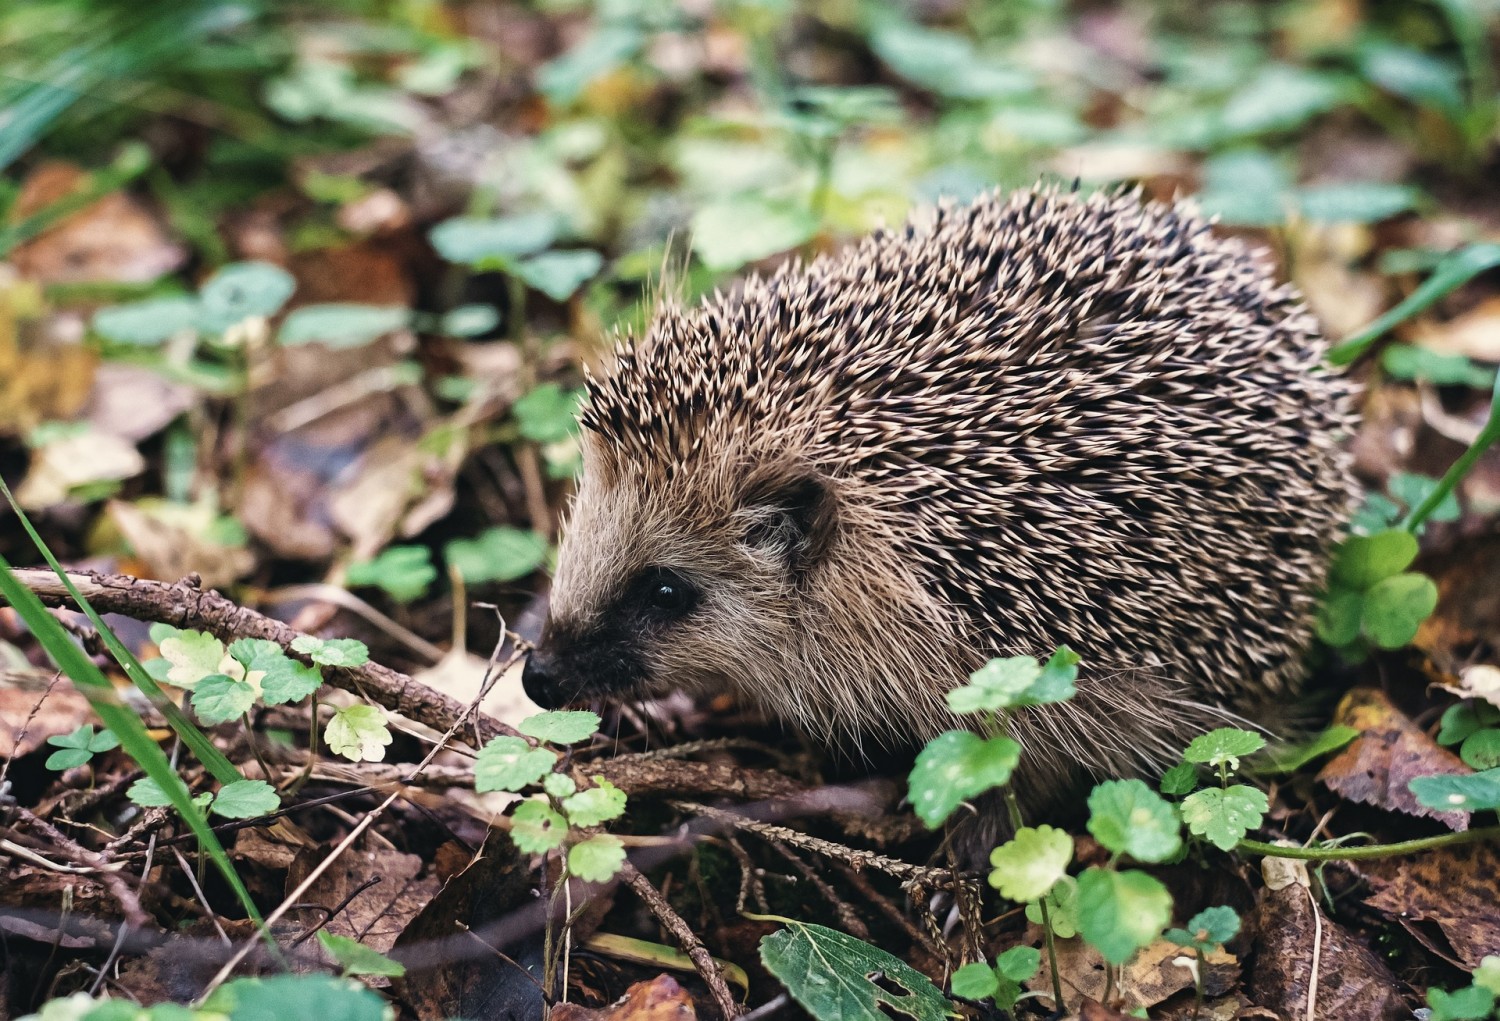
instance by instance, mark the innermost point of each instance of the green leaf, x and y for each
(1180, 779)
(1062, 908)
(146, 322)
(147, 793)
(509, 764)
(975, 981)
(946, 63)
(499, 554)
(596, 805)
(1356, 201)
(1413, 489)
(596, 859)
(1058, 681)
(1339, 617)
(1395, 608)
(473, 240)
(1476, 792)
(357, 959)
(1463, 718)
(1208, 930)
(1127, 817)
(1407, 361)
(1362, 561)
(535, 828)
(67, 758)
(833, 975)
(548, 414)
(246, 799)
(1120, 912)
(1412, 74)
(242, 290)
(1471, 1003)
(559, 274)
(1280, 97)
(219, 699)
(469, 321)
(358, 733)
(563, 79)
(1245, 187)
(955, 766)
(284, 680)
(1451, 274)
(1224, 816)
(558, 785)
(998, 684)
(1481, 749)
(297, 996)
(79, 746)
(1019, 963)
(730, 232)
(1487, 975)
(1290, 758)
(193, 655)
(334, 652)
(256, 653)
(1030, 863)
(403, 572)
(565, 726)
(342, 324)
(1224, 747)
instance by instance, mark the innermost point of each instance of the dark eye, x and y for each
(667, 593)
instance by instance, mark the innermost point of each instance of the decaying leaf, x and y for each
(1445, 898)
(661, 999)
(1390, 751)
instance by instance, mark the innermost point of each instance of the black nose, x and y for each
(540, 679)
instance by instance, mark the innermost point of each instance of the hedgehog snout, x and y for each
(563, 669)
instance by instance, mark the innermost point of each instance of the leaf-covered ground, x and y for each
(295, 301)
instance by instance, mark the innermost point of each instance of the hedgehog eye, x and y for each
(667, 593)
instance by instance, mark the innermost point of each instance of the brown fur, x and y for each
(1023, 422)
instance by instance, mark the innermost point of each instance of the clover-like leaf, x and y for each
(1364, 560)
(194, 655)
(509, 764)
(1120, 912)
(1481, 749)
(561, 726)
(1128, 817)
(1476, 792)
(559, 274)
(403, 572)
(1062, 908)
(1394, 608)
(285, 680)
(1031, 862)
(957, 765)
(535, 827)
(334, 652)
(1208, 930)
(246, 799)
(80, 746)
(219, 698)
(1224, 816)
(358, 733)
(596, 859)
(598, 804)
(1224, 747)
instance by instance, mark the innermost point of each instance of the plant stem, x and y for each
(1371, 851)
(1016, 821)
(1454, 475)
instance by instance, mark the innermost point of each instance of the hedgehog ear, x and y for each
(792, 513)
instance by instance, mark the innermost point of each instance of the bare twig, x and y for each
(708, 968)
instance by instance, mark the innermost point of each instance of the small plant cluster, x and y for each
(558, 813)
(1373, 601)
(288, 996)
(1473, 726)
(1478, 1001)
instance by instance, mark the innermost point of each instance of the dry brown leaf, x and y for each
(174, 540)
(74, 460)
(113, 240)
(1150, 977)
(459, 673)
(1455, 889)
(379, 912)
(29, 699)
(1352, 981)
(1390, 751)
(41, 378)
(661, 999)
(1475, 333)
(132, 402)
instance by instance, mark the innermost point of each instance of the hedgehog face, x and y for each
(659, 587)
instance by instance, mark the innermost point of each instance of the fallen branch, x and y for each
(185, 604)
(708, 968)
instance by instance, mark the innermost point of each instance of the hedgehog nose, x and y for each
(540, 679)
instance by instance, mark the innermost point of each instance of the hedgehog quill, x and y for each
(1027, 421)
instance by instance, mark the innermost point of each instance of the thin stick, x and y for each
(707, 967)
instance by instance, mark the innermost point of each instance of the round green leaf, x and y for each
(1224, 747)
(358, 733)
(1396, 607)
(1476, 792)
(242, 290)
(146, 322)
(559, 274)
(67, 758)
(730, 232)
(1339, 617)
(1363, 560)
(558, 785)
(497, 554)
(975, 981)
(596, 859)
(469, 321)
(246, 799)
(1481, 749)
(334, 652)
(341, 324)
(1019, 963)
(1127, 817)
(509, 764)
(955, 766)
(1062, 908)
(1180, 779)
(473, 240)
(1224, 816)
(219, 699)
(596, 805)
(1031, 862)
(548, 414)
(1120, 912)
(566, 726)
(536, 828)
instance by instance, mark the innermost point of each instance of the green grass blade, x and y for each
(1453, 476)
(119, 718)
(1450, 274)
(222, 769)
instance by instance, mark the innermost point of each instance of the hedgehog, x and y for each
(1028, 421)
